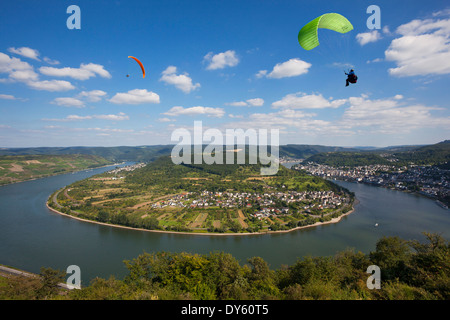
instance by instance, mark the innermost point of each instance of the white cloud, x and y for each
(85, 71)
(68, 102)
(198, 110)
(256, 102)
(8, 64)
(7, 97)
(93, 95)
(25, 52)
(24, 75)
(115, 130)
(367, 37)
(444, 12)
(303, 101)
(50, 61)
(423, 48)
(261, 74)
(181, 81)
(390, 115)
(221, 60)
(291, 68)
(96, 69)
(302, 123)
(136, 96)
(21, 71)
(165, 120)
(374, 60)
(237, 104)
(112, 117)
(51, 85)
(364, 118)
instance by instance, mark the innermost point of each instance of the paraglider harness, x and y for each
(351, 77)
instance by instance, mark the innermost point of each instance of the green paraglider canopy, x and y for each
(308, 35)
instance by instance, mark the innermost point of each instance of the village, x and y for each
(430, 181)
(126, 169)
(264, 204)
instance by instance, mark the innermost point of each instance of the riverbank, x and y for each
(316, 224)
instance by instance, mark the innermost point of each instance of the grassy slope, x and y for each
(26, 167)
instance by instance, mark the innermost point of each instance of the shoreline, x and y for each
(316, 224)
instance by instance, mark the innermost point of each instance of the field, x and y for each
(26, 167)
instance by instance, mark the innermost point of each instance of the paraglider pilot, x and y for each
(351, 77)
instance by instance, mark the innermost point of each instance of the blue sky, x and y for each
(230, 64)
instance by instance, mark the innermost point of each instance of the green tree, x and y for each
(103, 216)
(50, 279)
(430, 265)
(392, 255)
(261, 279)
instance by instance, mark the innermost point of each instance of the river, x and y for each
(32, 236)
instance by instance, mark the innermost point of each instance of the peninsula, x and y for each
(204, 199)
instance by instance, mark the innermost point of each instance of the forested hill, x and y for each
(347, 159)
(436, 154)
(429, 154)
(115, 154)
(26, 167)
(164, 173)
(150, 153)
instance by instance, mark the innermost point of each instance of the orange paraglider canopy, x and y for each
(140, 64)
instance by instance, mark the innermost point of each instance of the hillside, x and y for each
(150, 153)
(113, 154)
(26, 167)
(305, 151)
(347, 159)
(436, 154)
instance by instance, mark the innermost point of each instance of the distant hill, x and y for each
(120, 153)
(347, 159)
(305, 151)
(150, 153)
(436, 154)
(25, 167)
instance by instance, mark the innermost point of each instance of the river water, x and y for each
(31, 236)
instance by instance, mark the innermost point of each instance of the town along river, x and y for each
(32, 236)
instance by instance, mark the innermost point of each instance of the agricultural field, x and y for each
(26, 167)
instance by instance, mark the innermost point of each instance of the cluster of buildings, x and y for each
(428, 180)
(356, 173)
(178, 200)
(127, 168)
(265, 204)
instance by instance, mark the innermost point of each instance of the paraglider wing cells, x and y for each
(140, 64)
(308, 35)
